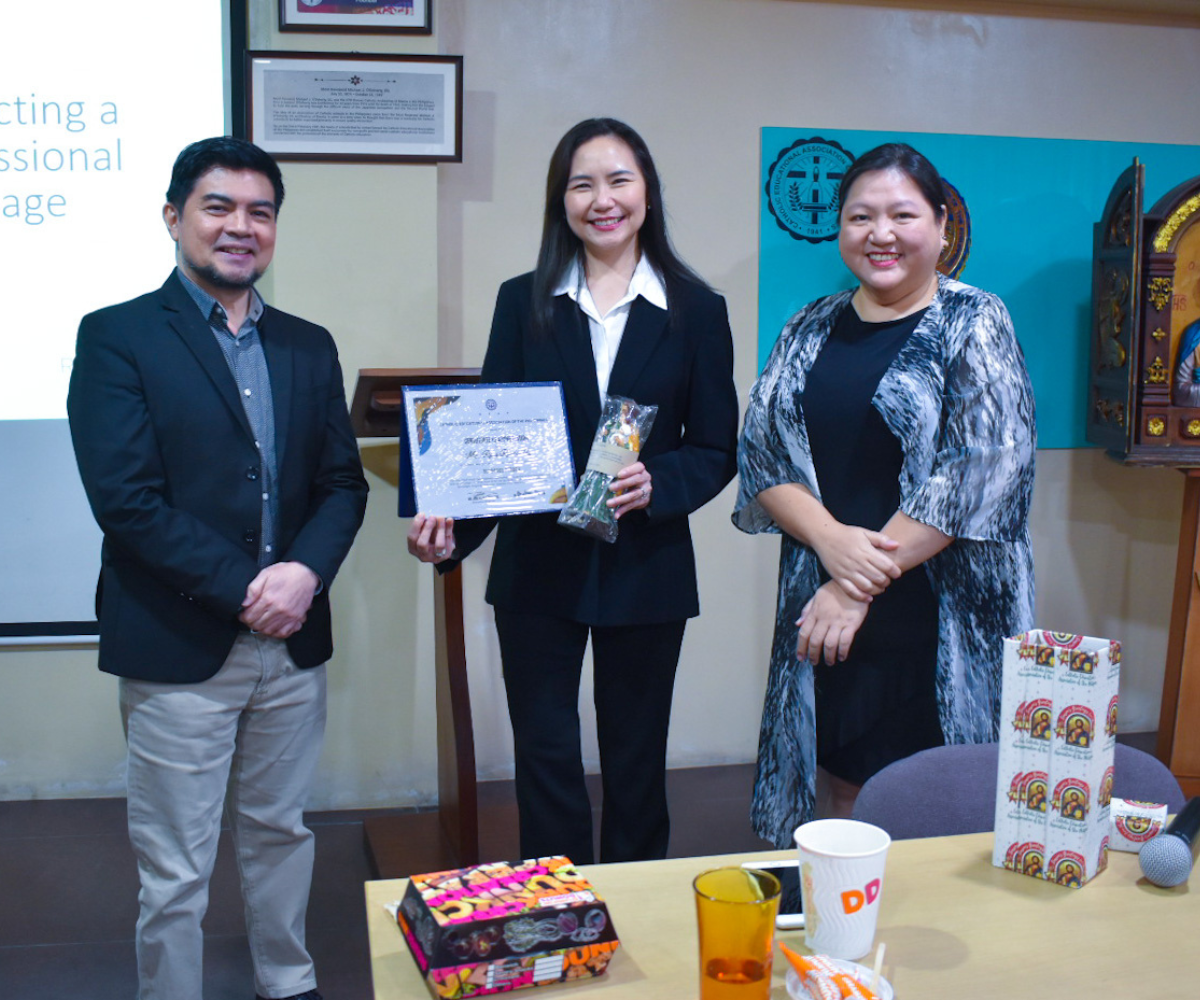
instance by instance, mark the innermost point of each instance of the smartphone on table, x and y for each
(791, 907)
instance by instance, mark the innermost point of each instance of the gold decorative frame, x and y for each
(1159, 290)
(1166, 232)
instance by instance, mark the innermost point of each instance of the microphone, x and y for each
(1167, 859)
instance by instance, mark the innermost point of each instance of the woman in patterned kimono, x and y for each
(890, 439)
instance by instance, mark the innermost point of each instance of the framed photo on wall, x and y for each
(355, 17)
(360, 107)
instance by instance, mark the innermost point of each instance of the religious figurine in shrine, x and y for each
(1187, 371)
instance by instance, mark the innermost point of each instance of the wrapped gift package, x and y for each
(1134, 823)
(1058, 728)
(500, 927)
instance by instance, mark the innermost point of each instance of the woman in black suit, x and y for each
(612, 309)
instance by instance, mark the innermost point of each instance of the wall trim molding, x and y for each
(1159, 13)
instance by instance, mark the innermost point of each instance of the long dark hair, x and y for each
(560, 246)
(901, 156)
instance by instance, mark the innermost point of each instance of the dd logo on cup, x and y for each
(854, 900)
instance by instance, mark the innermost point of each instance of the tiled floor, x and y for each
(68, 888)
(68, 904)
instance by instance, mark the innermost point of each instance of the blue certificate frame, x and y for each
(487, 450)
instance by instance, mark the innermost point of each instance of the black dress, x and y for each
(880, 705)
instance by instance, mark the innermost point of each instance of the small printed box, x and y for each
(500, 927)
(1058, 728)
(1133, 823)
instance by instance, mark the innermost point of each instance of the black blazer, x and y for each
(684, 367)
(170, 468)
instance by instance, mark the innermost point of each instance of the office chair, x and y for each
(952, 789)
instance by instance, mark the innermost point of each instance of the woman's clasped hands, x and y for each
(858, 562)
(828, 624)
(857, 559)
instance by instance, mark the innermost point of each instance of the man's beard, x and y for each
(216, 279)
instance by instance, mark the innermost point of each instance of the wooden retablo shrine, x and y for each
(1144, 370)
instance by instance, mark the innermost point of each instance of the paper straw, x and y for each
(878, 967)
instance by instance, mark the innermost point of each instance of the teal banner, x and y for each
(1032, 204)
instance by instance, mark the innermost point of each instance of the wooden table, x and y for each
(955, 927)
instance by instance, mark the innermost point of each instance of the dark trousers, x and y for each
(634, 674)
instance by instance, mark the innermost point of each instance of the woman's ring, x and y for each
(440, 553)
(645, 492)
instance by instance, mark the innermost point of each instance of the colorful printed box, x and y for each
(500, 927)
(1058, 727)
(1133, 823)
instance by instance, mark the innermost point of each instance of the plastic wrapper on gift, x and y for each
(1134, 823)
(624, 425)
(499, 927)
(1058, 729)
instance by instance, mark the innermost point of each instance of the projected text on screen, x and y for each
(90, 122)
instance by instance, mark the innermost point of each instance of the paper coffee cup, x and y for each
(841, 881)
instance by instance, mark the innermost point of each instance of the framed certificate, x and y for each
(355, 107)
(359, 17)
(488, 450)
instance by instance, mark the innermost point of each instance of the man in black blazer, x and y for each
(214, 445)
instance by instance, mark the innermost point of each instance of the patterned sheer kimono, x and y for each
(958, 399)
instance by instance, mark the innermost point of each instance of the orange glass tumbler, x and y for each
(736, 910)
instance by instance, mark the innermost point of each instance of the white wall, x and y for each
(403, 262)
(698, 79)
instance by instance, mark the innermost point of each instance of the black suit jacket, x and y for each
(171, 471)
(685, 367)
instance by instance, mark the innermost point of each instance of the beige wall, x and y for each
(403, 263)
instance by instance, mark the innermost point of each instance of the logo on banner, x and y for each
(954, 254)
(802, 188)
